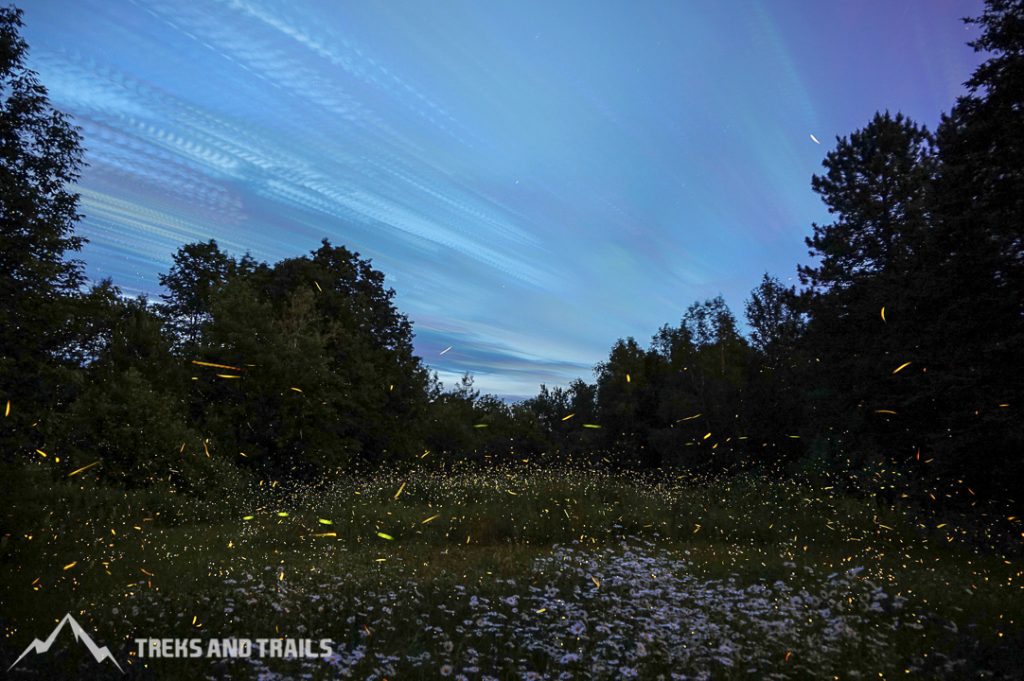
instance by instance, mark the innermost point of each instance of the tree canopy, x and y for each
(40, 159)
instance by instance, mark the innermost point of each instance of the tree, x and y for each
(877, 185)
(199, 270)
(716, 339)
(40, 156)
(975, 269)
(323, 366)
(549, 409)
(675, 345)
(128, 409)
(620, 398)
(717, 373)
(775, 322)
(710, 323)
(775, 391)
(90, 327)
(451, 417)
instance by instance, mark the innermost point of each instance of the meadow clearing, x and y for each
(515, 571)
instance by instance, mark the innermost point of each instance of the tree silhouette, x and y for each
(199, 270)
(972, 279)
(40, 156)
(324, 364)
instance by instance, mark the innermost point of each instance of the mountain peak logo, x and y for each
(100, 653)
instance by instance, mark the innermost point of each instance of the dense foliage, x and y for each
(40, 155)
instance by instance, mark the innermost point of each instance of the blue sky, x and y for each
(536, 179)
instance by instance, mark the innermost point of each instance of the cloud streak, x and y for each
(535, 180)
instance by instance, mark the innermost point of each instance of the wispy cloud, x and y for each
(536, 180)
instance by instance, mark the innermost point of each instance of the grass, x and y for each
(512, 571)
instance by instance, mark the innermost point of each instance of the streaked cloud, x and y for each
(536, 180)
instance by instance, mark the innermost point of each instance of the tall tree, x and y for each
(716, 376)
(325, 364)
(877, 184)
(623, 400)
(975, 268)
(776, 394)
(774, 318)
(198, 271)
(40, 157)
(710, 322)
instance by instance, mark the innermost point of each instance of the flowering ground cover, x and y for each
(519, 572)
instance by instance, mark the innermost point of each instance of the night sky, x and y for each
(535, 179)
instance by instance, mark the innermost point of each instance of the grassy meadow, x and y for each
(513, 572)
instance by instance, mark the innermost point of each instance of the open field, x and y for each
(513, 573)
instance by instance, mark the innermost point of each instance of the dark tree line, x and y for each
(900, 359)
(897, 363)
